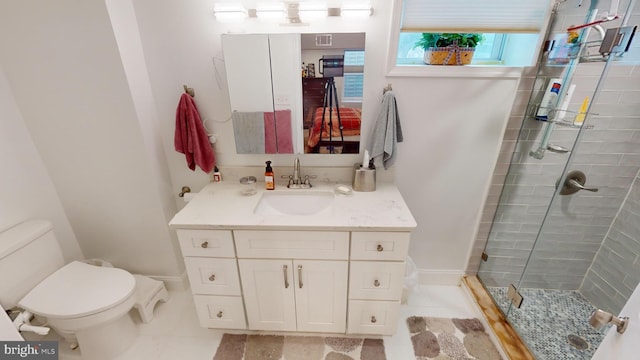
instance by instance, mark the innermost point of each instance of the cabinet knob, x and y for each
(373, 320)
(219, 314)
(379, 248)
(204, 245)
(212, 277)
(376, 283)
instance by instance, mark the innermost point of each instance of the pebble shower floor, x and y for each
(548, 319)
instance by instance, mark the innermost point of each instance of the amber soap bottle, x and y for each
(269, 180)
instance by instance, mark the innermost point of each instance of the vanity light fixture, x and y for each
(271, 11)
(294, 12)
(312, 11)
(362, 9)
(229, 11)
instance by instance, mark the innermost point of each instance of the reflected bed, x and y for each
(350, 119)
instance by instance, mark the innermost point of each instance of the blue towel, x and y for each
(387, 131)
(248, 129)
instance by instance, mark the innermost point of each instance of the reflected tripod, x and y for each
(331, 95)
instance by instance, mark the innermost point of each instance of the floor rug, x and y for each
(276, 347)
(444, 338)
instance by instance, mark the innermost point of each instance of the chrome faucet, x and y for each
(295, 180)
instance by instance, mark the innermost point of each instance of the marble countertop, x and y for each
(222, 206)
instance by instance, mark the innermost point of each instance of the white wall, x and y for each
(453, 129)
(27, 191)
(623, 346)
(65, 71)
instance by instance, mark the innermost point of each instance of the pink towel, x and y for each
(277, 132)
(191, 139)
(284, 131)
(270, 137)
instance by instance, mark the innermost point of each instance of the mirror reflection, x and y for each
(275, 112)
(264, 91)
(332, 83)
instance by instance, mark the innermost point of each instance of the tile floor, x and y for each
(176, 334)
(547, 318)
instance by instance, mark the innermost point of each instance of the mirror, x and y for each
(332, 83)
(285, 88)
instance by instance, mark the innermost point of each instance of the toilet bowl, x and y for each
(79, 295)
(86, 304)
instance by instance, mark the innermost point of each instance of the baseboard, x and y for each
(440, 277)
(174, 282)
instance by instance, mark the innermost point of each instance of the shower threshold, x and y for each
(510, 341)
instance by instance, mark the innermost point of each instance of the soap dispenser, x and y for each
(269, 180)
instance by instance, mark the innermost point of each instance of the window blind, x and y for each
(488, 16)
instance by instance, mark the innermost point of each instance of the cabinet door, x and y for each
(268, 289)
(248, 77)
(376, 280)
(220, 312)
(213, 275)
(321, 295)
(373, 317)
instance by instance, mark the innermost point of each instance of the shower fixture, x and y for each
(573, 183)
(557, 149)
(600, 318)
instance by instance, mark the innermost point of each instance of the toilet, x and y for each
(88, 305)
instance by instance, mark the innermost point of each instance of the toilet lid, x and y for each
(78, 290)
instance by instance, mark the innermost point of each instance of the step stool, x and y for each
(148, 293)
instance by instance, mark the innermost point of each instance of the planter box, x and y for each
(450, 55)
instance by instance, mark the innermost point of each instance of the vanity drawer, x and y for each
(373, 317)
(373, 280)
(206, 243)
(213, 276)
(332, 245)
(224, 312)
(379, 245)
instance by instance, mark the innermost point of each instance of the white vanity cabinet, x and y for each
(312, 281)
(294, 280)
(339, 271)
(295, 295)
(212, 269)
(375, 281)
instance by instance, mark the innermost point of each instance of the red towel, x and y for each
(191, 139)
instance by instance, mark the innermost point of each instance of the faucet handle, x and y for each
(306, 180)
(290, 181)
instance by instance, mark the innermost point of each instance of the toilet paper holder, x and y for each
(185, 189)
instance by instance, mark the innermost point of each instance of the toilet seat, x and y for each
(78, 290)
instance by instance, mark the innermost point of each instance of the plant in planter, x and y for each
(449, 48)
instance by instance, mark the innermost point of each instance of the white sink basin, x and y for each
(294, 202)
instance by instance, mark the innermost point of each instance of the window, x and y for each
(488, 51)
(353, 75)
(510, 28)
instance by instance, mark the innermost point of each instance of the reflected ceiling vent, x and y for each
(324, 40)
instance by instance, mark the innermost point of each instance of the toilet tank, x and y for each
(29, 252)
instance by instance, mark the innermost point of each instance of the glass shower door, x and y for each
(569, 254)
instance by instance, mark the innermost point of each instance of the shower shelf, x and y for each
(533, 109)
